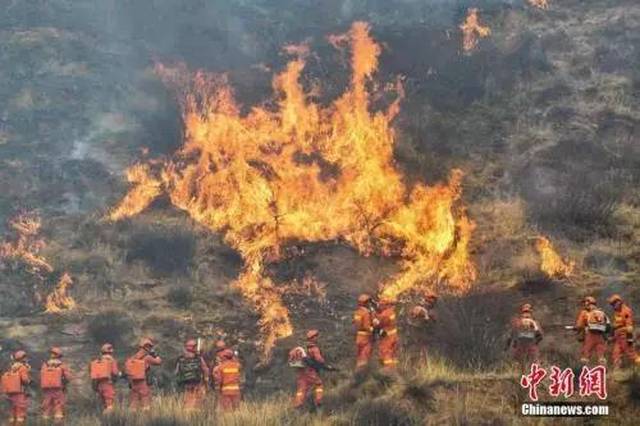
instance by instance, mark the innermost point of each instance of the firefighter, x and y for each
(192, 374)
(364, 321)
(308, 376)
(622, 332)
(526, 334)
(104, 372)
(54, 377)
(219, 347)
(388, 330)
(137, 371)
(226, 378)
(423, 311)
(15, 382)
(593, 324)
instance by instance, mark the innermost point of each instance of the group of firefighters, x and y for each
(593, 328)
(374, 322)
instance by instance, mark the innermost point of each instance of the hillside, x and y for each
(542, 119)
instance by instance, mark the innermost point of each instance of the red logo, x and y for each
(592, 381)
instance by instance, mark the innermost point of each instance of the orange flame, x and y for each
(550, 261)
(26, 244)
(58, 300)
(472, 31)
(305, 172)
(540, 4)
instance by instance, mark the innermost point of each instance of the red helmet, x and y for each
(312, 334)
(145, 343)
(526, 308)
(590, 300)
(363, 299)
(107, 348)
(220, 345)
(19, 355)
(614, 299)
(191, 345)
(56, 352)
(431, 296)
(227, 354)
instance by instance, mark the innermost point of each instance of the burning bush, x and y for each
(305, 172)
(166, 250)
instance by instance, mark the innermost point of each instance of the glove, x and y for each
(629, 330)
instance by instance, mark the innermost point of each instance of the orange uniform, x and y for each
(363, 321)
(622, 329)
(53, 396)
(525, 335)
(140, 395)
(105, 387)
(594, 340)
(308, 378)
(388, 345)
(18, 397)
(194, 393)
(226, 377)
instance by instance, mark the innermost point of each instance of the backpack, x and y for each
(527, 329)
(297, 356)
(135, 369)
(51, 377)
(11, 383)
(597, 321)
(100, 369)
(189, 370)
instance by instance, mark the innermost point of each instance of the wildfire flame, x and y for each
(25, 247)
(26, 244)
(472, 31)
(540, 4)
(550, 261)
(305, 172)
(58, 300)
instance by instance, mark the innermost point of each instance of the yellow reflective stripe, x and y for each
(389, 361)
(230, 370)
(364, 333)
(299, 393)
(392, 332)
(319, 390)
(357, 316)
(231, 387)
(392, 317)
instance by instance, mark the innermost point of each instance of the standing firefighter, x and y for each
(421, 316)
(309, 362)
(14, 384)
(54, 377)
(226, 378)
(192, 374)
(104, 372)
(592, 325)
(622, 332)
(526, 334)
(364, 321)
(137, 371)
(388, 330)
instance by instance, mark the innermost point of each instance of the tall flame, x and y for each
(302, 171)
(58, 300)
(472, 31)
(540, 4)
(550, 261)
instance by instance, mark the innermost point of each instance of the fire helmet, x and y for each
(191, 345)
(526, 308)
(220, 345)
(145, 343)
(614, 298)
(363, 299)
(312, 334)
(107, 348)
(227, 354)
(19, 355)
(430, 296)
(56, 352)
(590, 300)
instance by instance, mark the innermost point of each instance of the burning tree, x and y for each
(305, 172)
(540, 4)
(550, 261)
(472, 31)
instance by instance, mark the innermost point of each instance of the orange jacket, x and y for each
(582, 320)
(226, 376)
(388, 321)
(55, 362)
(148, 359)
(623, 318)
(363, 321)
(24, 370)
